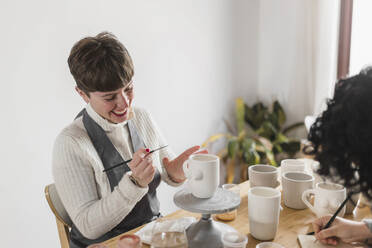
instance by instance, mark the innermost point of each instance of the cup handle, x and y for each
(186, 170)
(198, 175)
(305, 196)
(277, 184)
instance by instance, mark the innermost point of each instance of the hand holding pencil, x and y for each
(341, 230)
(143, 170)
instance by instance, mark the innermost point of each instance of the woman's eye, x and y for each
(110, 99)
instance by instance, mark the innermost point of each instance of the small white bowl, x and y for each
(234, 240)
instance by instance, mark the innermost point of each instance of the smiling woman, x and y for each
(109, 131)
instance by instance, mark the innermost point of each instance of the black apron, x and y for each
(146, 210)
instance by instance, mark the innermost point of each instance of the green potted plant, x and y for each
(259, 137)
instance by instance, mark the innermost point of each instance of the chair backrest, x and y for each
(56, 205)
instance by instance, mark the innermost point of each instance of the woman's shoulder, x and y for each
(74, 132)
(141, 115)
(140, 112)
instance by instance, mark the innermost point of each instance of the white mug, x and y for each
(203, 174)
(294, 183)
(263, 212)
(263, 175)
(327, 198)
(292, 165)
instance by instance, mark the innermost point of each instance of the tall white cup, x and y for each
(203, 174)
(327, 198)
(263, 175)
(263, 212)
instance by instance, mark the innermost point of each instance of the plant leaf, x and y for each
(274, 120)
(242, 135)
(230, 170)
(260, 148)
(270, 157)
(260, 114)
(281, 138)
(232, 148)
(265, 143)
(249, 116)
(292, 147)
(257, 158)
(267, 130)
(248, 144)
(239, 108)
(277, 149)
(213, 138)
(251, 157)
(279, 111)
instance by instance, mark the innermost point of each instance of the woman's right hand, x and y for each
(142, 168)
(341, 229)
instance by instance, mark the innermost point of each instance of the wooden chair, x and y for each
(63, 220)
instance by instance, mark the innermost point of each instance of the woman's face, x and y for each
(114, 106)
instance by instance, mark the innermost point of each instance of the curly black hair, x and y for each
(341, 137)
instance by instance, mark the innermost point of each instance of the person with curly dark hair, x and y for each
(341, 140)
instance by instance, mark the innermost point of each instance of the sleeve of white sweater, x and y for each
(76, 185)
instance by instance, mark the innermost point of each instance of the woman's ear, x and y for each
(82, 94)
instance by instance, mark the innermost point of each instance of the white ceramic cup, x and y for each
(327, 198)
(292, 165)
(263, 212)
(203, 174)
(263, 175)
(294, 183)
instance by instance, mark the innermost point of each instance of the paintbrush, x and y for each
(127, 161)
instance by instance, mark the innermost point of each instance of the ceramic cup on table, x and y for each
(129, 241)
(263, 175)
(327, 198)
(287, 165)
(312, 166)
(203, 174)
(293, 185)
(263, 212)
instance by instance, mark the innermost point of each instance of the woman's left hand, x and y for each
(174, 167)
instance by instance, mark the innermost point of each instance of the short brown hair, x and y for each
(100, 63)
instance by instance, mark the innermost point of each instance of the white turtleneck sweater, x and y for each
(83, 186)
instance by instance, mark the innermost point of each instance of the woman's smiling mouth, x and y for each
(120, 113)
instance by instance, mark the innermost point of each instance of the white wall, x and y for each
(182, 57)
(361, 37)
(297, 54)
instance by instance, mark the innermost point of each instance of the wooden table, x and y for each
(291, 223)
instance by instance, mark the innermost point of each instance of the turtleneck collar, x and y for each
(105, 124)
